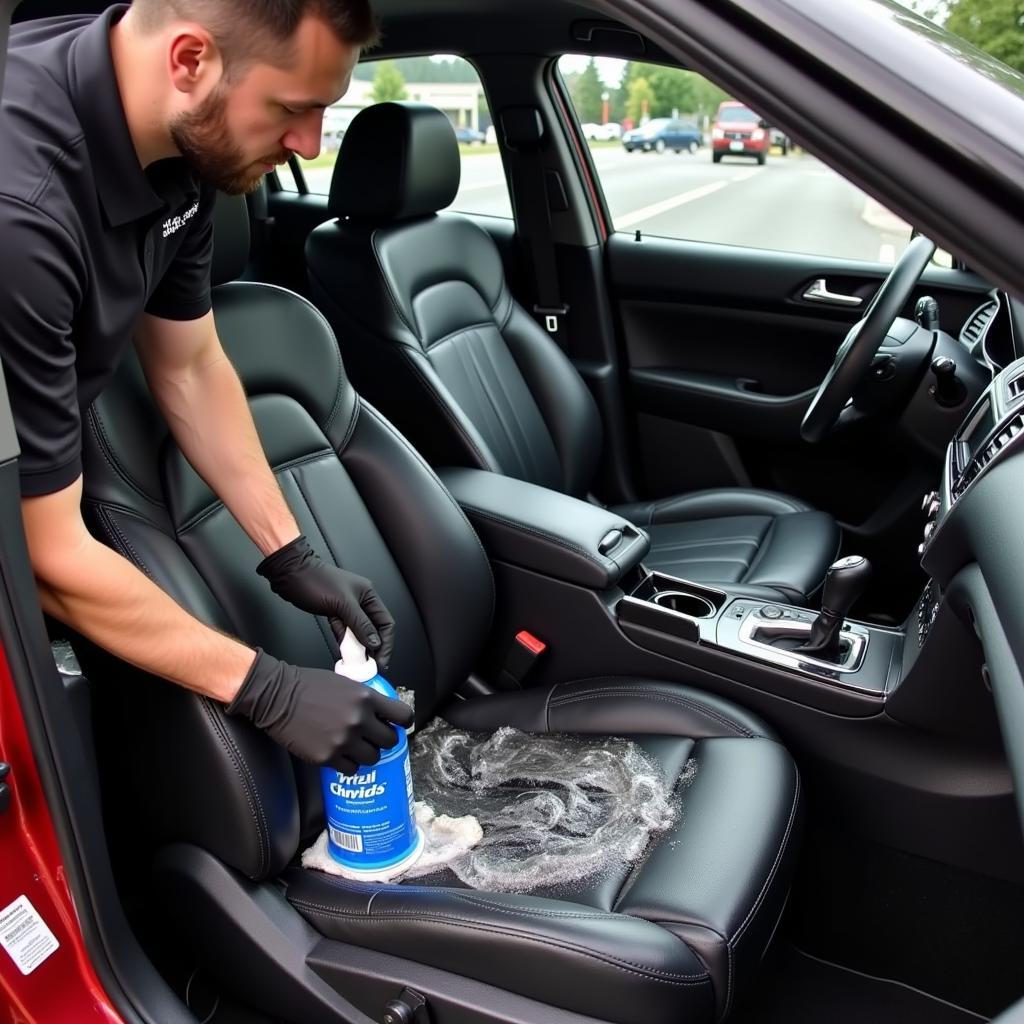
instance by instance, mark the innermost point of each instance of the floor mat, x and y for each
(796, 988)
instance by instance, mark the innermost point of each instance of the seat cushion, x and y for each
(677, 932)
(771, 545)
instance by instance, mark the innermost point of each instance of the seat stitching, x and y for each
(248, 784)
(664, 699)
(765, 543)
(734, 941)
(415, 455)
(510, 306)
(447, 411)
(707, 543)
(557, 541)
(468, 359)
(392, 298)
(327, 544)
(340, 389)
(531, 912)
(513, 407)
(647, 693)
(465, 329)
(217, 504)
(652, 973)
(126, 545)
(110, 455)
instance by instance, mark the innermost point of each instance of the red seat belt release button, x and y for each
(522, 655)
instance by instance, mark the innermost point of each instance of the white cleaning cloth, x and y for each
(444, 839)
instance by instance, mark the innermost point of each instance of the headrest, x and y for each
(230, 238)
(397, 161)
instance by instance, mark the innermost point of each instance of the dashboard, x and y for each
(973, 549)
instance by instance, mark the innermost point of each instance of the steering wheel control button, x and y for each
(883, 368)
(771, 611)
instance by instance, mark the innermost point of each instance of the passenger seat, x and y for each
(436, 340)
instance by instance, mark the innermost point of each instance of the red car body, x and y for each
(738, 131)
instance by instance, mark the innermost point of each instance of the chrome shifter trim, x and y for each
(856, 635)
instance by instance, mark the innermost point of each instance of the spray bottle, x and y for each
(370, 824)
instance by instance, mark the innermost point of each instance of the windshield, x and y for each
(736, 114)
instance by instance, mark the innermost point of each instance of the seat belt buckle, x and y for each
(550, 315)
(521, 658)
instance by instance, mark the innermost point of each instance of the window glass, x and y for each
(679, 157)
(448, 83)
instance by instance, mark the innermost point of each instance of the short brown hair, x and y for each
(249, 31)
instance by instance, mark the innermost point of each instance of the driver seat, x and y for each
(224, 811)
(434, 338)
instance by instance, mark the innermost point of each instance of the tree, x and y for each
(639, 98)
(586, 90)
(388, 83)
(995, 26)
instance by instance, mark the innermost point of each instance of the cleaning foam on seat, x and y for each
(371, 827)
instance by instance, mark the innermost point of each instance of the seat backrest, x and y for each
(425, 317)
(360, 493)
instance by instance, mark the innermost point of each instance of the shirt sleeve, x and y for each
(42, 279)
(184, 291)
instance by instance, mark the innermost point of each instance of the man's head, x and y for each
(248, 80)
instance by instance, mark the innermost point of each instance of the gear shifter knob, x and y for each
(844, 583)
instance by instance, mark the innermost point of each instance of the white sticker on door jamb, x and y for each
(24, 935)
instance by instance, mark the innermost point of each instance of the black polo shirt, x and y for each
(88, 240)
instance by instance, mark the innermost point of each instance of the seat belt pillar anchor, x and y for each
(551, 315)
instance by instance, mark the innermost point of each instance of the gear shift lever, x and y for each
(844, 583)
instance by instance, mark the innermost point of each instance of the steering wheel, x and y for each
(864, 340)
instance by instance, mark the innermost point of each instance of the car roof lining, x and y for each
(544, 27)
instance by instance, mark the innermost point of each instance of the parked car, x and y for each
(469, 136)
(663, 133)
(738, 131)
(777, 137)
(601, 132)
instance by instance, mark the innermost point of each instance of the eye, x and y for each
(289, 112)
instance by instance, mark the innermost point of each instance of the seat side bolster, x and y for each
(565, 954)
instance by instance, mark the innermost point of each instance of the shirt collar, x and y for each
(126, 192)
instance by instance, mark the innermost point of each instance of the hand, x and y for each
(299, 575)
(319, 716)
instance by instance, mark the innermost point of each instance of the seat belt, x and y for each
(523, 130)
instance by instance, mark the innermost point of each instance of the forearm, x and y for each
(208, 414)
(105, 598)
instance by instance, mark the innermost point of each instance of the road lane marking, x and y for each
(743, 175)
(627, 220)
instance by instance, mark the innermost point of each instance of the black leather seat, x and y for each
(434, 338)
(671, 938)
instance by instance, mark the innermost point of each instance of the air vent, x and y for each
(975, 328)
(1009, 430)
(1016, 387)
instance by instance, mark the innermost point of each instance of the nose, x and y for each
(304, 137)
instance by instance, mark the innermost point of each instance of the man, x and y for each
(116, 131)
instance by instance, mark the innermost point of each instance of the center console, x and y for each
(866, 660)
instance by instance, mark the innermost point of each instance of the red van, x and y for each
(738, 131)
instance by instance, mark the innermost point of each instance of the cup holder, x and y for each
(684, 603)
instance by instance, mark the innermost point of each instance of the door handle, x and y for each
(818, 292)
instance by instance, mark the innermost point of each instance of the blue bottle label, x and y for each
(370, 822)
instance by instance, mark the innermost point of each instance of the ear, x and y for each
(194, 61)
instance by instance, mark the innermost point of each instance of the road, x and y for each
(793, 203)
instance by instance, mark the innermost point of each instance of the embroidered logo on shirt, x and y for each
(173, 224)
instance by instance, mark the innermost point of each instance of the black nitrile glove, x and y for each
(299, 575)
(318, 715)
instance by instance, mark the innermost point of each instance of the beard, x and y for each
(203, 140)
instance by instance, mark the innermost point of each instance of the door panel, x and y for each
(720, 337)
